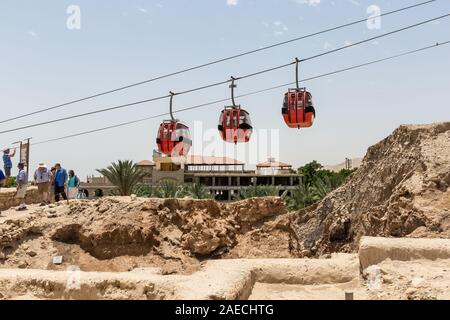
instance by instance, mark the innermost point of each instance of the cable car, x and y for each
(235, 124)
(298, 109)
(173, 138)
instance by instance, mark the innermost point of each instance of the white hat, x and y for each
(42, 165)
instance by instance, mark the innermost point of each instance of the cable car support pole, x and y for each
(232, 86)
(171, 100)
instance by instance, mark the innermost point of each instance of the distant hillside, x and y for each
(355, 163)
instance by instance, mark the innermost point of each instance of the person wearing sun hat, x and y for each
(42, 177)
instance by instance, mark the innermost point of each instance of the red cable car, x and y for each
(234, 123)
(298, 109)
(174, 138)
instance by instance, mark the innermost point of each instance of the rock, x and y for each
(103, 208)
(31, 253)
(387, 279)
(399, 190)
(22, 264)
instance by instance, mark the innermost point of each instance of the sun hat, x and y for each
(42, 165)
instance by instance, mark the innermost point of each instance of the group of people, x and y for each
(55, 182)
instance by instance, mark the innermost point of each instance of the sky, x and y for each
(50, 55)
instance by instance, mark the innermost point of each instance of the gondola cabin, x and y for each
(235, 125)
(298, 109)
(174, 138)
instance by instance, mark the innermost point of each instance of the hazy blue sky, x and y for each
(44, 63)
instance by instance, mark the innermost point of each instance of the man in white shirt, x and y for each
(42, 177)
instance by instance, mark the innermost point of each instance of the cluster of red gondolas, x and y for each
(235, 126)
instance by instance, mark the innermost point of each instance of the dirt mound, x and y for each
(122, 233)
(401, 190)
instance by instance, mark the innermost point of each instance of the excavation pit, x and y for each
(253, 279)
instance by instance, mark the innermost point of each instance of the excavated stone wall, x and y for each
(8, 197)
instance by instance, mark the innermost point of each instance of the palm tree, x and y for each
(143, 190)
(169, 189)
(259, 191)
(198, 191)
(301, 197)
(321, 187)
(125, 175)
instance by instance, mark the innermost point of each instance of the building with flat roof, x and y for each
(224, 177)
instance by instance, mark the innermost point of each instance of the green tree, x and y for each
(323, 186)
(198, 191)
(169, 189)
(258, 191)
(11, 182)
(125, 175)
(143, 190)
(309, 171)
(317, 184)
(98, 193)
(301, 197)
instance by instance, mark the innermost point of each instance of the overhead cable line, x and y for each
(222, 82)
(216, 61)
(246, 94)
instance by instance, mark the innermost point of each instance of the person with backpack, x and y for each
(72, 185)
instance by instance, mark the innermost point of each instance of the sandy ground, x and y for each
(273, 279)
(280, 291)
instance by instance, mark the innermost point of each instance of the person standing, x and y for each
(7, 163)
(60, 182)
(42, 177)
(22, 184)
(72, 185)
